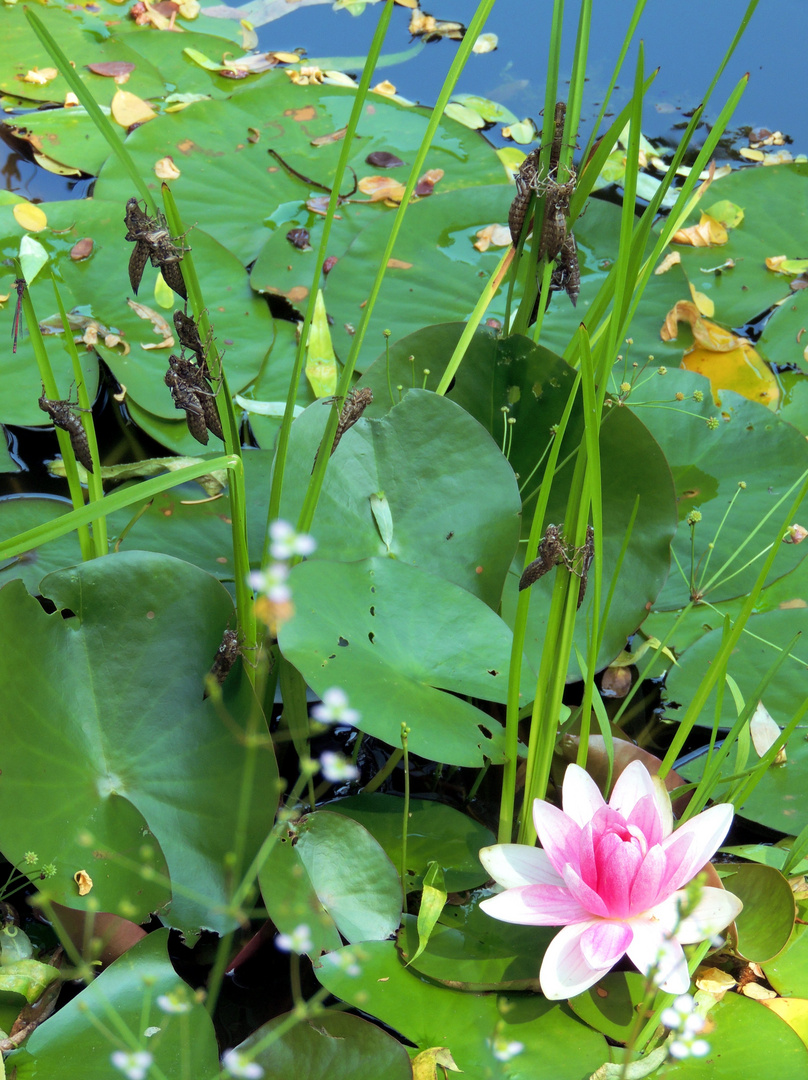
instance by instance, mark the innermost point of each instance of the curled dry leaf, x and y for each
(385, 87)
(330, 263)
(120, 70)
(81, 249)
(673, 258)
(128, 109)
(253, 135)
(485, 43)
(30, 217)
(165, 169)
(299, 238)
(160, 325)
(426, 184)
(84, 882)
(492, 235)
(381, 187)
(751, 155)
(305, 76)
(382, 159)
(708, 233)
(39, 77)
(432, 29)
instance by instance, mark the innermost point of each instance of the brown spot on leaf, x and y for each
(81, 249)
(306, 113)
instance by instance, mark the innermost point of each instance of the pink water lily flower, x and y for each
(612, 876)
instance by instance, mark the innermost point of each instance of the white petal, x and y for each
(633, 784)
(694, 843)
(519, 864)
(580, 795)
(564, 971)
(715, 910)
(657, 954)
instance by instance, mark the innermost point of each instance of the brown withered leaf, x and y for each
(398, 264)
(382, 159)
(426, 184)
(81, 249)
(330, 263)
(299, 238)
(112, 69)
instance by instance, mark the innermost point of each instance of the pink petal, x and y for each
(519, 864)
(535, 905)
(604, 942)
(645, 817)
(560, 836)
(658, 955)
(633, 784)
(619, 862)
(694, 844)
(585, 896)
(564, 969)
(715, 910)
(646, 886)
(580, 795)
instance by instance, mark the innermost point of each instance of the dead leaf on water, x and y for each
(165, 169)
(30, 217)
(673, 258)
(385, 87)
(492, 235)
(325, 140)
(708, 233)
(84, 882)
(381, 187)
(119, 70)
(39, 77)
(426, 183)
(55, 167)
(397, 264)
(128, 109)
(81, 249)
(382, 159)
(485, 43)
(160, 325)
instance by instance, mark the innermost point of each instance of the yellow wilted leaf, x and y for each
(385, 87)
(128, 109)
(30, 217)
(285, 57)
(702, 302)
(673, 258)
(751, 155)
(781, 264)
(714, 981)
(707, 334)
(40, 77)
(165, 169)
(189, 9)
(84, 882)
(55, 167)
(708, 233)
(739, 369)
(381, 187)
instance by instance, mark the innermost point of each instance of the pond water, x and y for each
(685, 42)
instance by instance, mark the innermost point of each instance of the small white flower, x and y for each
(237, 1064)
(335, 767)
(134, 1066)
(679, 1049)
(271, 582)
(503, 1050)
(174, 1003)
(286, 542)
(334, 708)
(298, 941)
(699, 1048)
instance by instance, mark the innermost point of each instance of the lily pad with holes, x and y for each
(119, 718)
(427, 461)
(401, 638)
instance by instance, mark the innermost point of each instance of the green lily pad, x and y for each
(765, 924)
(478, 955)
(79, 1040)
(334, 1044)
(22, 52)
(24, 512)
(745, 1036)
(611, 1005)
(235, 203)
(399, 637)
(435, 832)
(757, 650)
(122, 712)
(351, 874)
(775, 223)
(513, 378)
(780, 800)
(788, 972)
(430, 460)
(475, 1028)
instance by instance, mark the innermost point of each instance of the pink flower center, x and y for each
(612, 856)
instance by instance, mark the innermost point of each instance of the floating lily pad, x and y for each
(231, 186)
(435, 831)
(400, 638)
(122, 711)
(473, 1027)
(765, 924)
